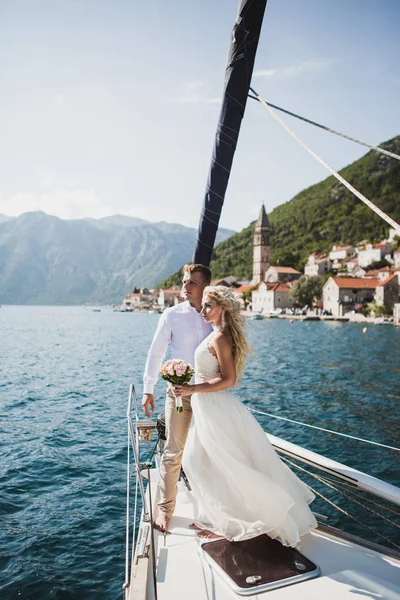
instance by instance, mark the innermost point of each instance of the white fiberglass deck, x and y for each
(347, 570)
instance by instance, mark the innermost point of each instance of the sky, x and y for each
(111, 106)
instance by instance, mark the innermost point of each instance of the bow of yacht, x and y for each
(330, 562)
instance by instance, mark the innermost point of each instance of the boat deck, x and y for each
(348, 570)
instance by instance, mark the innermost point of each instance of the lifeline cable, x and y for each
(348, 185)
(352, 437)
(343, 135)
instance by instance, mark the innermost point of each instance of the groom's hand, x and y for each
(147, 402)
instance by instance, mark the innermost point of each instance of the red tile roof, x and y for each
(390, 278)
(285, 270)
(278, 287)
(319, 255)
(340, 248)
(356, 283)
(242, 288)
(363, 248)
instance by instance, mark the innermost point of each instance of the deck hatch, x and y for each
(259, 564)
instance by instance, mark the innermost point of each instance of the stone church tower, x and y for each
(261, 247)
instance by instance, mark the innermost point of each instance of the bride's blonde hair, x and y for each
(225, 298)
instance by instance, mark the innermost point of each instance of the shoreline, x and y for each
(356, 318)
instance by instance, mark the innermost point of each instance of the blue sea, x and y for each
(64, 379)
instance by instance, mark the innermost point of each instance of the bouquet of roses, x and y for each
(177, 372)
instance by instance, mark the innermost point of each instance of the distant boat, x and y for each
(96, 309)
(256, 317)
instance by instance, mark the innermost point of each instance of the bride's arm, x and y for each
(222, 345)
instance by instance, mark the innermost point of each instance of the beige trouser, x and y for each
(176, 428)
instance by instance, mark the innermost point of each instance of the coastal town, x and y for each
(359, 282)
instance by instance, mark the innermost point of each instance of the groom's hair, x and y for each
(197, 268)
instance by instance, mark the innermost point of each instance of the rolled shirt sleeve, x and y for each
(156, 353)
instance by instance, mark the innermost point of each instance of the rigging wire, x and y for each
(345, 512)
(347, 137)
(354, 489)
(350, 497)
(326, 430)
(348, 185)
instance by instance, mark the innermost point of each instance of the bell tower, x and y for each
(261, 247)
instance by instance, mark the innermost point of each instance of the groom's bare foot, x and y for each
(161, 523)
(194, 526)
(209, 535)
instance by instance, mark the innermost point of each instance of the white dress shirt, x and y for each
(182, 328)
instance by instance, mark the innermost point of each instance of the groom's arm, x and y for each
(155, 355)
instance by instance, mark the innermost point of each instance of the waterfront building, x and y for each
(358, 271)
(352, 266)
(270, 296)
(261, 247)
(143, 299)
(373, 252)
(131, 301)
(343, 294)
(281, 274)
(317, 264)
(339, 253)
(169, 297)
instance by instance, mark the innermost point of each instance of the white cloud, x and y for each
(304, 67)
(307, 66)
(264, 73)
(63, 203)
(193, 93)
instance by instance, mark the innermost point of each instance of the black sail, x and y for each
(242, 52)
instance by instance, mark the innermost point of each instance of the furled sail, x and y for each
(244, 42)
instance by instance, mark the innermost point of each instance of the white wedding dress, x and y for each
(241, 488)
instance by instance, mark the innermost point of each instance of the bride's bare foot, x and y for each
(161, 523)
(194, 526)
(208, 535)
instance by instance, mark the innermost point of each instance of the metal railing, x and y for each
(139, 430)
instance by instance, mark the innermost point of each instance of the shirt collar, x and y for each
(192, 308)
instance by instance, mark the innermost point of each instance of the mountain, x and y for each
(47, 260)
(319, 217)
(4, 218)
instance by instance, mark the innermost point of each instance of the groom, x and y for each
(182, 328)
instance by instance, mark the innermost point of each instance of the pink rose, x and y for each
(170, 369)
(180, 369)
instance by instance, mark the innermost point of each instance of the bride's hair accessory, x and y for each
(223, 323)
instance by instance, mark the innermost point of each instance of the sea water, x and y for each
(64, 379)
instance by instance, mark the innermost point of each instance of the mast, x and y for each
(242, 52)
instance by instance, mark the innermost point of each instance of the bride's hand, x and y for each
(183, 390)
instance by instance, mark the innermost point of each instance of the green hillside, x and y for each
(319, 217)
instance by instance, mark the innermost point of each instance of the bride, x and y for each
(241, 487)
